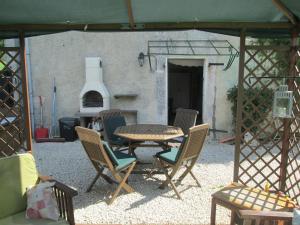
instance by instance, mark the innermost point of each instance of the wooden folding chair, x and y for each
(102, 156)
(111, 120)
(186, 155)
(185, 119)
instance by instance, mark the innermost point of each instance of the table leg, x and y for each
(131, 148)
(213, 212)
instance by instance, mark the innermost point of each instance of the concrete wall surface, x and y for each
(62, 56)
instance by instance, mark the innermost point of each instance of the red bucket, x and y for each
(41, 133)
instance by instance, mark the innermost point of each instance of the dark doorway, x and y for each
(185, 89)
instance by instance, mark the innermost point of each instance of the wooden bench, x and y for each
(238, 197)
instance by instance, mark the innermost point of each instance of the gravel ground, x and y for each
(68, 163)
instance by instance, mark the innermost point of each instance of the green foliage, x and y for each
(256, 96)
(257, 103)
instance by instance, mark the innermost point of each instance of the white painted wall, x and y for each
(62, 56)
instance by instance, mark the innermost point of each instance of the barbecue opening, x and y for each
(92, 99)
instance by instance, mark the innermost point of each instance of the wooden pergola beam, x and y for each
(148, 26)
(238, 130)
(287, 122)
(130, 13)
(28, 131)
(286, 11)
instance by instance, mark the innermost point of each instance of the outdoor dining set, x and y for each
(115, 148)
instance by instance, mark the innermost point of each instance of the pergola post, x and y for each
(287, 122)
(239, 104)
(26, 101)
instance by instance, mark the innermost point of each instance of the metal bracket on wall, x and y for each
(273, 77)
(215, 64)
(191, 48)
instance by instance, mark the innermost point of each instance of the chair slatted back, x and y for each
(193, 145)
(91, 142)
(185, 119)
(107, 115)
(110, 113)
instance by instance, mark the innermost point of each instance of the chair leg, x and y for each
(213, 212)
(126, 187)
(189, 170)
(93, 182)
(131, 150)
(194, 177)
(162, 166)
(122, 184)
(174, 188)
(186, 172)
(183, 175)
(100, 174)
(169, 179)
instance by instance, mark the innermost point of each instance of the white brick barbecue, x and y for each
(94, 96)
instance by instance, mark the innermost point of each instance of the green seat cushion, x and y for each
(124, 160)
(19, 219)
(119, 159)
(171, 155)
(110, 153)
(17, 173)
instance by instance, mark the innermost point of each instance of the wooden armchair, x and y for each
(19, 172)
(64, 196)
(252, 204)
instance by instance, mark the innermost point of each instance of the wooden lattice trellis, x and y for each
(14, 132)
(267, 148)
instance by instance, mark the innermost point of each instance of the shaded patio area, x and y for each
(262, 161)
(68, 162)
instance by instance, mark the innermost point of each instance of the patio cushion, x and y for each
(110, 153)
(19, 219)
(171, 155)
(124, 160)
(119, 159)
(17, 173)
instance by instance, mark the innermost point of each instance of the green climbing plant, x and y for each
(264, 100)
(256, 110)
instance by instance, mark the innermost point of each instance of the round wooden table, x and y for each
(149, 132)
(138, 134)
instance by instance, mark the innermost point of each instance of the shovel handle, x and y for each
(41, 112)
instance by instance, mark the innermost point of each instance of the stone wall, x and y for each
(63, 55)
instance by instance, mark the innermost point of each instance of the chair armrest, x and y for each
(64, 195)
(265, 215)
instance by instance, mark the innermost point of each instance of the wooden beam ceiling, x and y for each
(286, 11)
(130, 13)
(148, 26)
